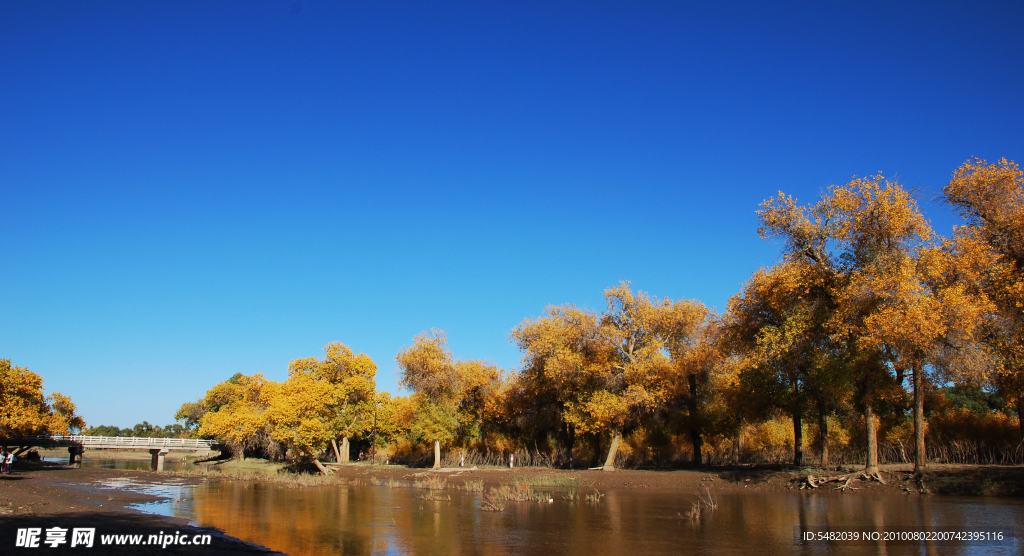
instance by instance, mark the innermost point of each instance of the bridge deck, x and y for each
(120, 442)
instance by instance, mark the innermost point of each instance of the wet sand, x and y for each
(47, 495)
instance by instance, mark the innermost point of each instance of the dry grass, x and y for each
(551, 481)
(594, 497)
(492, 501)
(473, 486)
(431, 483)
(705, 504)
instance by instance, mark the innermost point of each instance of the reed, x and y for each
(431, 483)
(492, 501)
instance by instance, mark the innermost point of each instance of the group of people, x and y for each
(6, 461)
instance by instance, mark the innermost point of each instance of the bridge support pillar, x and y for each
(158, 458)
(75, 455)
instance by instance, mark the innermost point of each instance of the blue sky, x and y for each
(195, 189)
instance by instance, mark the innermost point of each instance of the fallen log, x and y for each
(815, 482)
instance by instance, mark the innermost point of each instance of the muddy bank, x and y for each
(942, 479)
(46, 496)
(968, 480)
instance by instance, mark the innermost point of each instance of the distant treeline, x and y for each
(873, 339)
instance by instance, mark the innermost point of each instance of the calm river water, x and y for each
(371, 520)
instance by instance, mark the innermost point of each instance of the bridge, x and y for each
(77, 444)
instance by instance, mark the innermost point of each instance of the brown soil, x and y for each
(970, 480)
(47, 495)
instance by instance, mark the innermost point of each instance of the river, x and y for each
(366, 519)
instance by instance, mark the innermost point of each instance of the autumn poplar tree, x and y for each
(449, 395)
(768, 325)
(612, 368)
(24, 410)
(235, 413)
(990, 197)
(908, 295)
(691, 335)
(321, 401)
(562, 349)
(811, 238)
(633, 383)
(351, 380)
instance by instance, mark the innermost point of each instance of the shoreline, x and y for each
(940, 479)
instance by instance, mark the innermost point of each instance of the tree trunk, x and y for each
(698, 445)
(737, 446)
(337, 454)
(1020, 414)
(345, 449)
(437, 454)
(921, 457)
(321, 467)
(609, 464)
(567, 438)
(798, 439)
(823, 434)
(597, 450)
(695, 436)
(872, 429)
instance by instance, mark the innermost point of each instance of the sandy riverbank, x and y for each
(47, 495)
(970, 480)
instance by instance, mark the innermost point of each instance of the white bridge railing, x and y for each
(126, 441)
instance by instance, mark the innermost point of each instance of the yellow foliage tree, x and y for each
(235, 413)
(913, 300)
(606, 371)
(991, 199)
(812, 238)
(770, 327)
(351, 380)
(321, 401)
(691, 334)
(299, 415)
(449, 395)
(24, 410)
(561, 350)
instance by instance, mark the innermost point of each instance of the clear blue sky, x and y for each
(195, 189)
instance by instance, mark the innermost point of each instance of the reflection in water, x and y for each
(345, 519)
(135, 464)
